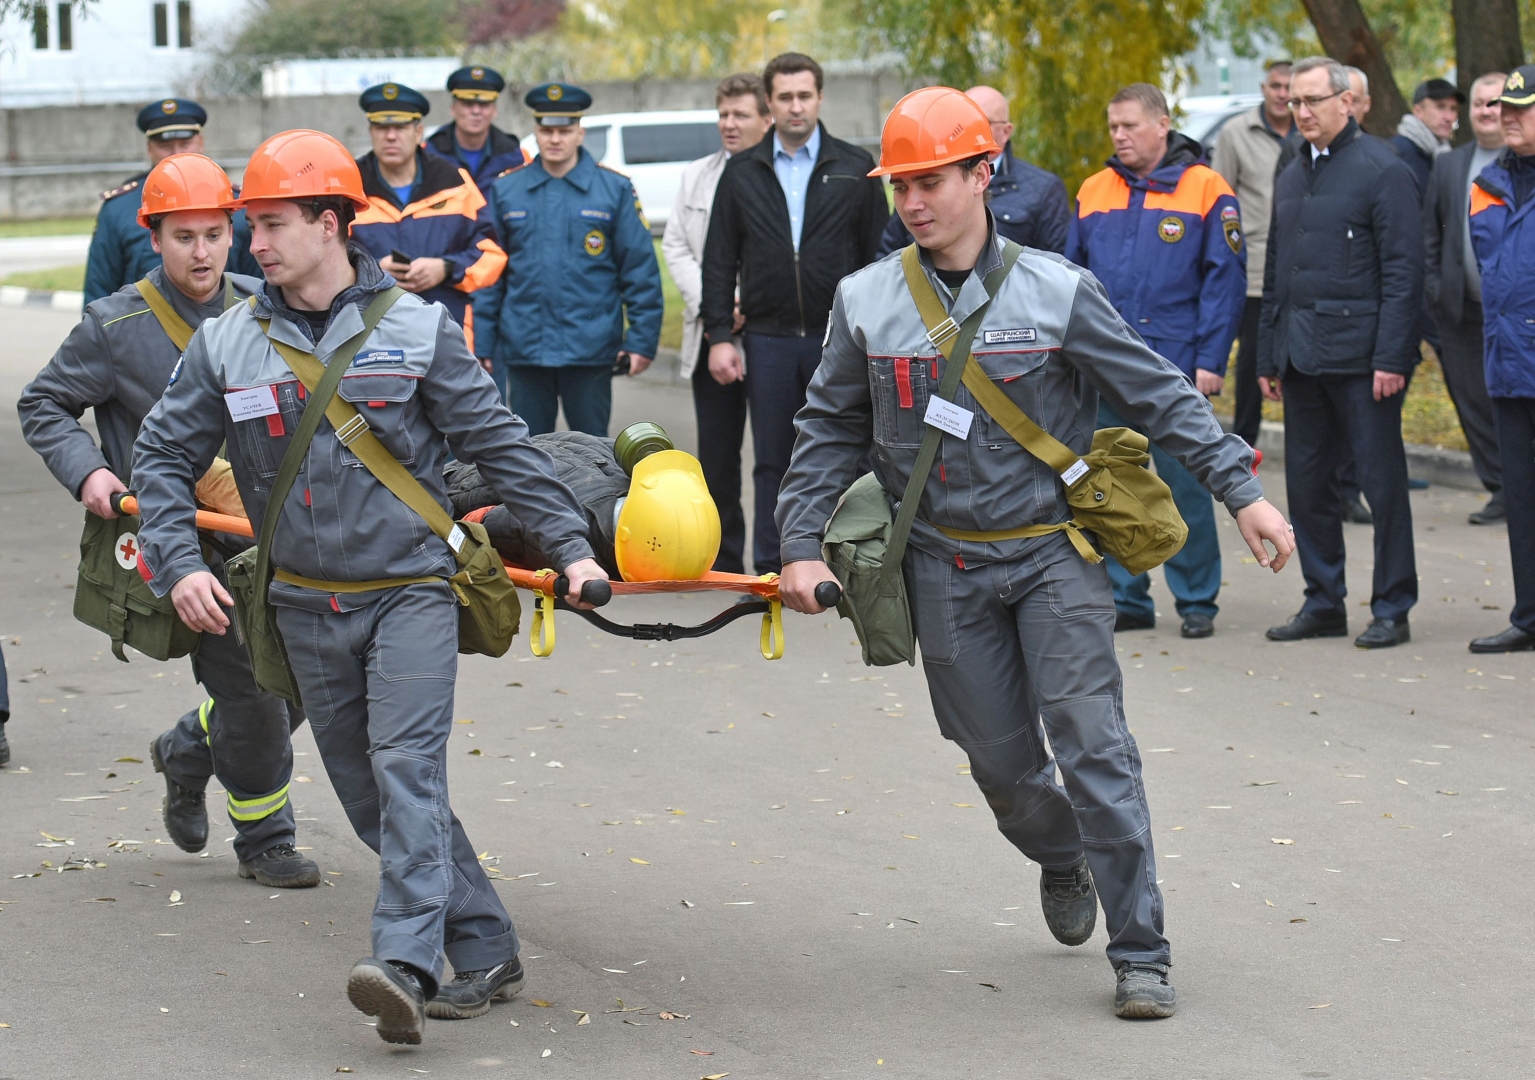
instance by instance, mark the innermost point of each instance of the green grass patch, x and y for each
(66, 226)
(62, 277)
(671, 322)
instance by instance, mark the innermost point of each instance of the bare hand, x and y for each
(200, 601)
(97, 491)
(1208, 383)
(725, 363)
(486, 364)
(637, 363)
(1260, 521)
(796, 585)
(579, 573)
(423, 274)
(1273, 389)
(1388, 384)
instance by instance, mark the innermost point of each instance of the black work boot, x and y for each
(471, 992)
(186, 816)
(392, 992)
(282, 867)
(1069, 901)
(1144, 992)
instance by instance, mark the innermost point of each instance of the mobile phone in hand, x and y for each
(621, 365)
(399, 256)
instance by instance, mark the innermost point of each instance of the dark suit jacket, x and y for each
(1444, 232)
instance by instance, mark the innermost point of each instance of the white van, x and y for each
(650, 148)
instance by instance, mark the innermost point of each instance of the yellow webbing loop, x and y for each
(1072, 530)
(771, 641)
(174, 325)
(350, 586)
(543, 624)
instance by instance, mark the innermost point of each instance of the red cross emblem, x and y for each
(127, 551)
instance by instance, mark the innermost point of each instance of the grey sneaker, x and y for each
(1144, 993)
(1070, 902)
(471, 992)
(393, 994)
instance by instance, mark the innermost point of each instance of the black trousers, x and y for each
(1516, 440)
(1249, 403)
(778, 371)
(721, 414)
(1324, 417)
(1465, 376)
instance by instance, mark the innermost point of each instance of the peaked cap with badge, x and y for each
(172, 118)
(393, 103)
(476, 84)
(557, 104)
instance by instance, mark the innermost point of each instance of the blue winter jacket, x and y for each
(580, 264)
(1503, 236)
(1169, 249)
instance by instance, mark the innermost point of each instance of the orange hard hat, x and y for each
(931, 127)
(184, 182)
(301, 164)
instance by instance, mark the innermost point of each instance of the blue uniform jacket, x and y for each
(446, 218)
(502, 152)
(580, 263)
(122, 254)
(1169, 250)
(1503, 237)
(1028, 203)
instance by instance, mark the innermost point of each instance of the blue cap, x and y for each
(172, 118)
(557, 104)
(393, 103)
(476, 84)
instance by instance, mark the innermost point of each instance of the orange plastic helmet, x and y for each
(932, 127)
(301, 164)
(184, 182)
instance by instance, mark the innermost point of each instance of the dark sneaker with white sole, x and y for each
(282, 867)
(1144, 993)
(1070, 902)
(391, 992)
(184, 810)
(471, 992)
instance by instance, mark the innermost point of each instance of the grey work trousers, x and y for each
(377, 683)
(1009, 645)
(242, 736)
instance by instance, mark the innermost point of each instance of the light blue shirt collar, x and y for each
(793, 172)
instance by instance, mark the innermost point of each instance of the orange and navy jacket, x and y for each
(1169, 249)
(1503, 237)
(446, 218)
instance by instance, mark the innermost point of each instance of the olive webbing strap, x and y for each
(309, 423)
(353, 432)
(950, 339)
(174, 325)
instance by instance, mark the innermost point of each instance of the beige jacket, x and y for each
(683, 246)
(1245, 155)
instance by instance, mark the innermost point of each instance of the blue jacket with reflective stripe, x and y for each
(1169, 250)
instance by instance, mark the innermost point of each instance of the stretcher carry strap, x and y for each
(174, 325)
(951, 339)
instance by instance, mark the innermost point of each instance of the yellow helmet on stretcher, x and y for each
(668, 528)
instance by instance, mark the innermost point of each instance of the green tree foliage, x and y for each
(331, 27)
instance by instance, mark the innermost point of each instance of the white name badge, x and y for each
(948, 417)
(1075, 473)
(249, 404)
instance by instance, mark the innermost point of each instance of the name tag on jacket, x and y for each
(249, 404)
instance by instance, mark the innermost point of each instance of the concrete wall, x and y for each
(58, 161)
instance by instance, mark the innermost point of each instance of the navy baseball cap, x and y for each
(393, 103)
(1438, 90)
(172, 118)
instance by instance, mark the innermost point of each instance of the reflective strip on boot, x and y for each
(258, 808)
(204, 711)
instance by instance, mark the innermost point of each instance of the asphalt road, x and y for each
(787, 856)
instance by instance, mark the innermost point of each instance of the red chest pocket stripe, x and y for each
(903, 382)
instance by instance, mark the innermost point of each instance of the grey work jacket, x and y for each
(421, 392)
(117, 361)
(1051, 340)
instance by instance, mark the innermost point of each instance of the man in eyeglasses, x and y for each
(1342, 291)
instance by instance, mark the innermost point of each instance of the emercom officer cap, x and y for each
(1438, 90)
(557, 104)
(476, 84)
(172, 118)
(393, 103)
(1519, 90)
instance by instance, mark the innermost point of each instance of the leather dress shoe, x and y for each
(1511, 640)
(1357, 512)
(1305, 624)
(1494, 512)
(1124, 620)
(1196, 624)
(1383, 634)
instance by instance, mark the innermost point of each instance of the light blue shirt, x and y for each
(793, 172)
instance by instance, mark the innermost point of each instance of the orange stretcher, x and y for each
(549, 589)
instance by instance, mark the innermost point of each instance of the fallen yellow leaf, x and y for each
(541, 1004)
(639, 862)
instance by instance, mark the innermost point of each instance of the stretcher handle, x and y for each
(828, 594)
(126, 504)
(115, 501)
(596, 593)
